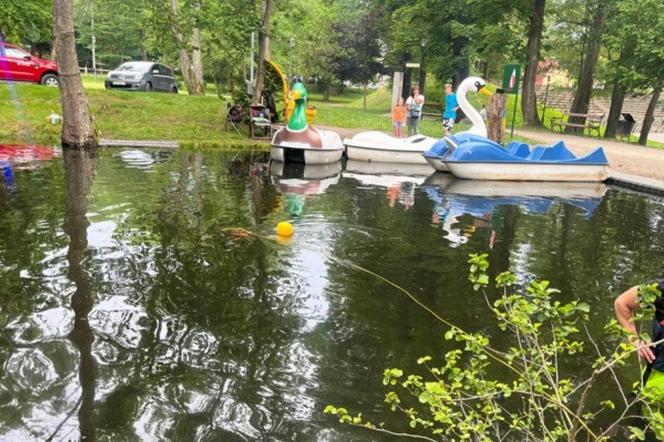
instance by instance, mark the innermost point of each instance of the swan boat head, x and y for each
(472, 84)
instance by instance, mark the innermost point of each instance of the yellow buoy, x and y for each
(284, 229)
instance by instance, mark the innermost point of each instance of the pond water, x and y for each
(130, 311)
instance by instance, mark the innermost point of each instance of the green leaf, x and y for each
(583, 307)
(636, 433)
(424, 359)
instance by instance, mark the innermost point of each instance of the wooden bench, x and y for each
(592, 122)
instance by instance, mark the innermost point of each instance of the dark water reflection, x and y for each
(131, 312)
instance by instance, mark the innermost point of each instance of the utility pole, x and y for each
(94, 38)
(251, 58)
(290, 61)
(423, 74)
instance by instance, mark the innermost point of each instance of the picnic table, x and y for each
(591, 122)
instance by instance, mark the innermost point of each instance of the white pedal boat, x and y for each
(380, 147)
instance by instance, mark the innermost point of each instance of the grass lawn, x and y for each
(199, 121)
(347, 111)
(24, 109)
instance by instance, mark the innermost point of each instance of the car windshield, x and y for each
(137, 66)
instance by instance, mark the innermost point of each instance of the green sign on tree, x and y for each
(511, 78)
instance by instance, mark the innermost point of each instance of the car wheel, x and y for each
(174, 89)
(148, 86)
(50, 80)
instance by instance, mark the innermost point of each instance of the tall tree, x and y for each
(650, 115)
(263, 48)
(617, 75)
(183, 54)
(198, 82)
(617, 100)
(639, 34)
(359, 59)
(598, 10)
(77, 128)
(529, 98)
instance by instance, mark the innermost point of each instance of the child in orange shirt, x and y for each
(399, 114)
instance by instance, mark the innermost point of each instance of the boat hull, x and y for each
(386, 155)
(306, 155)
(437, 163)
(504, 171)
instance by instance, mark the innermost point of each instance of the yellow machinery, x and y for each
(289, 104)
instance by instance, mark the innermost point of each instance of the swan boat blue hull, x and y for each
(477, 158)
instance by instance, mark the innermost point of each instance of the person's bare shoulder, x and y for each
(628, 299)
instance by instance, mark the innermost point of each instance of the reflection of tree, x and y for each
(214, 301)
(79, 168)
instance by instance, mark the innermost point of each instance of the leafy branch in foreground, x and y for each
(484, 393)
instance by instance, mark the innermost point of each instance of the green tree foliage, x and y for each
(120, 29)
(636, 47)
(27, 21)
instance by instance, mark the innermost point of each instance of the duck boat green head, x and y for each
(299, 142)
(298, 119)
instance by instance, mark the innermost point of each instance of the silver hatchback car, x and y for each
(142, 76)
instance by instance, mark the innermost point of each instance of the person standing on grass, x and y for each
(414, 105)
(399, 115)
(451, 106)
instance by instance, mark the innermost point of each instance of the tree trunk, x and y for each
(650, 116)
(485, 70)
(496, 117)
(584, 86)
(263, 49)
(462, 69)
(364, 103)
(617, 100)
(197, 62)
(183, 55)
(529, 99)
(77, 126)
(326, 94)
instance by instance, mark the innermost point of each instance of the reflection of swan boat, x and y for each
(442, 180)
(386, 174)
(480, 199)
(380, 147)
(298, 142)
(304, 179)
(570, 190)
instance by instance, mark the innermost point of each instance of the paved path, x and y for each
(625, 159)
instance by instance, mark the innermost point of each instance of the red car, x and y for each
(16, 64)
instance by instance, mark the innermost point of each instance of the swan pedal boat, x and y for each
(379, 147)
(485, 160)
